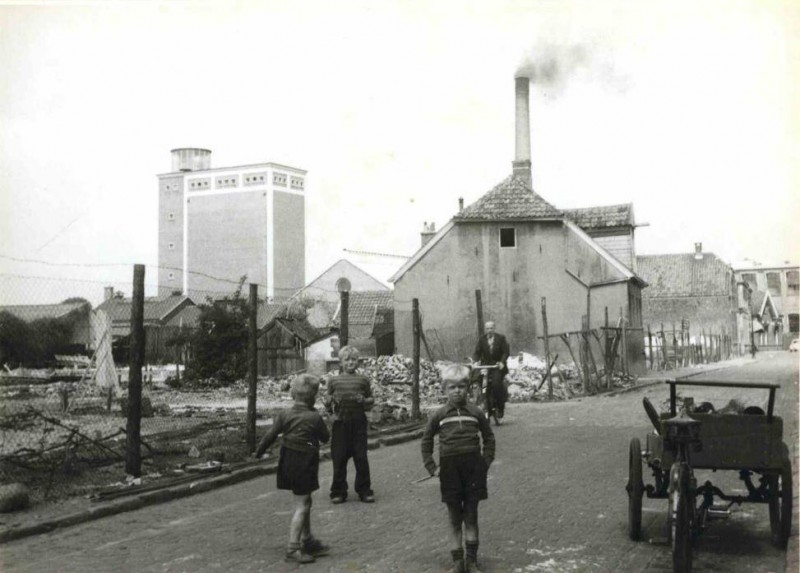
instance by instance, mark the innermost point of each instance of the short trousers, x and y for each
(298, 471)
(462, 478)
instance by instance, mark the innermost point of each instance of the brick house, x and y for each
(782, 282)
(696, 287)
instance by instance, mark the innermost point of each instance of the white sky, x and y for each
(687, 109)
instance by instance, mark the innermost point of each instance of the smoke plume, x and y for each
(553, 66)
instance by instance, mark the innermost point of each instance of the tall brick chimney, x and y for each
(108, 293)
(522, 130)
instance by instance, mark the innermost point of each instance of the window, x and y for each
(794, 323)
(792, 282)
(171, 246)
(171, 216)
(343, 285)
(171, 276)
(774, 284)
(508, 237)
(750, 279)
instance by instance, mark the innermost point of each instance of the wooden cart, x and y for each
(682, 441)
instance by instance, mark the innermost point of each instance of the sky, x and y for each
(690, 110)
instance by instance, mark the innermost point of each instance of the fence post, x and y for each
(584, 346)
(252, 368)
(344, 318)
(624, 342)
(415, 359)
(133, 429)
(650, 345)
(479, 306)
(606, 353)
(547, 351)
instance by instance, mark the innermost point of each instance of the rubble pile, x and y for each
(526, 374)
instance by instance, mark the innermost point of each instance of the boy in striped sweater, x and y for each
(461, 427)
(349, 398)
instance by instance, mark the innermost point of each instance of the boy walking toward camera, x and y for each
(461, 427)
(349, 397)
(298, 467)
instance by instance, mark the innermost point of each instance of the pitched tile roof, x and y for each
(299, 327)
(155, 308)
(683, 275)
(31, 312)
(600, 217)
(511, 199)
(362, 306)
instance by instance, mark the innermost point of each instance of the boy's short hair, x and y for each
(305, 386)
(454, 373)
(347, 351)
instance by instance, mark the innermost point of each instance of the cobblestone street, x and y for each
(557, 503)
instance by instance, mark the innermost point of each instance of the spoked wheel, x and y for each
(780, 505)
(635, 489)
(682, 510)
(490, 409)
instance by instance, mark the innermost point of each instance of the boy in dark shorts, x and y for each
(462, 465)
(298, 467)
(349, 397)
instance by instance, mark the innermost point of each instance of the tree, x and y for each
(219, 343)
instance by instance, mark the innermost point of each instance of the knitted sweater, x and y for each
(460, 429)
(349, 395)
(301, 426)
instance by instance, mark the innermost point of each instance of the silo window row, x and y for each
(199, 184)
(279, 179)
(255, 179)
(231, 181)
(297, 183)
(171, 187)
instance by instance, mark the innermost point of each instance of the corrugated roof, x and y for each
(684, 275)
(602, 217)
(31, 312)
(511, 199)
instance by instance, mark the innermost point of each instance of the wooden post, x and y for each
(479, 307)
(415, 359)
(650, 345)
(578, 367)
(344, 319)
(624, 342)
(133, 429)
(606, 353)
(583, 339)
(547, 350)
(252, 368)
(703, 351)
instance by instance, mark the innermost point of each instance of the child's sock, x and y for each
(458, 554)
(293, 546)
(472, 550)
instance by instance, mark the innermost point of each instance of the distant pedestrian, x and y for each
(349, 397)
(303, 429)
(466, 450)
(492, 349)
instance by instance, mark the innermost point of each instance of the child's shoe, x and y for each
(315, 547)
(299, 556)
(459, 566)
(472, 567)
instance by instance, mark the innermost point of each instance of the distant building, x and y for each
(698, 288)
(216, 225)
(782, 282)
(612, 227)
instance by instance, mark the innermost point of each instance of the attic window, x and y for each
(793, 282)
(508, 237)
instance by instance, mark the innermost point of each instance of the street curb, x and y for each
(202, 485)
(660, 380)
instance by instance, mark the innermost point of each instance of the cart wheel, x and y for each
(682, 509)
(780, 505)
(635, 490)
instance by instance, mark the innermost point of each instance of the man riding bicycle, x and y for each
(492, 349)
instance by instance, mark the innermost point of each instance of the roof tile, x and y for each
(602, 216)
(510, 199)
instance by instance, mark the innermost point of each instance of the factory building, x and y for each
(216, 225)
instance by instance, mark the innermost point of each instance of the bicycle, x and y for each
(486, 395)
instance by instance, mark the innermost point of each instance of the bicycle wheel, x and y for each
(682, 509)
